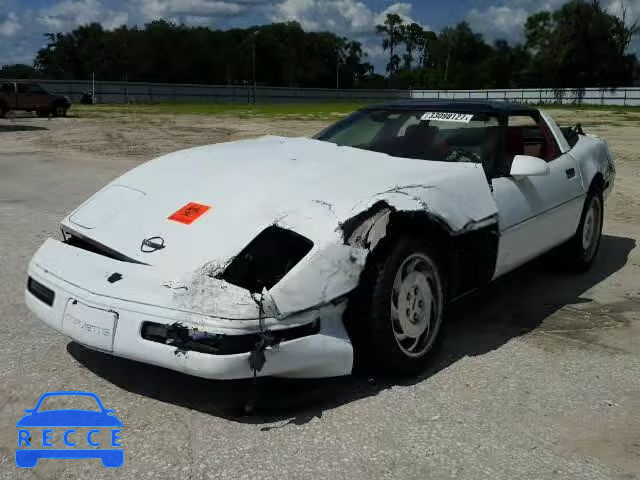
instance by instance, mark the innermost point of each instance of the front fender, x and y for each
(333, 270)
(458, 213)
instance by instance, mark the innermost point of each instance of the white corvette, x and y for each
(293, 256)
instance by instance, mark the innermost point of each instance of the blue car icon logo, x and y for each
(65, 421)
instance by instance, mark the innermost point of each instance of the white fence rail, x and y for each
(123, 92)
(589, 96)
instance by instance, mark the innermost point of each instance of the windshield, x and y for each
(423, 135)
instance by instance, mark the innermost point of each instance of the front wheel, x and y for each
(580, 252)
(59, 111)
(400, 305)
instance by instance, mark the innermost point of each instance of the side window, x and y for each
(7, 88)
(29, 88)
(528, 136)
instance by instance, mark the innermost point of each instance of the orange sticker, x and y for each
(189, 213)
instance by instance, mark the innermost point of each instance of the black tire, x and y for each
(3, 110)
(369, 319)
(42, 113)
(579, 253)
(59, 111)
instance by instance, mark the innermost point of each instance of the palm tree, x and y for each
(392, 29)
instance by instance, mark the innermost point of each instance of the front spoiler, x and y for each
(326, 354)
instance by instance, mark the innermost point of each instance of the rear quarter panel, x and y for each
(593, 157)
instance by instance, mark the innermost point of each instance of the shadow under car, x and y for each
(477, 324)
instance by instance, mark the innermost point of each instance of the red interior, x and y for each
(515, 141)
(518, 138)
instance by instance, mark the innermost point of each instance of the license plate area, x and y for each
(89, 325)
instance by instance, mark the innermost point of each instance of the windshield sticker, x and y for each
(447, 117)
(189, 213)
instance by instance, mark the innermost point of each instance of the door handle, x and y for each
(571, 173)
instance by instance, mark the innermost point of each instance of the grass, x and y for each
(618, 109)
(310, 111)
(320, 111)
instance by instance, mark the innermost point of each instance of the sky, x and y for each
(23, 23)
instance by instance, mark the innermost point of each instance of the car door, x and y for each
(8, 93)
(535, 213)
(32, 97)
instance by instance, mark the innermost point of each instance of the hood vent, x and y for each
(106, 204)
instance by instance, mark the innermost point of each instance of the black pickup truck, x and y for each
(31, 97)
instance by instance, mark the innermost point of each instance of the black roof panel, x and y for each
(462, 106)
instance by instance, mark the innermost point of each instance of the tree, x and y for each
(354, 68)
(18, 71)
(392, 30)
(624, 30)
(537, 31)
(461, 56)
(425, 48)
(580, 45)
(412, 36)
(508, 66)
(162, 51)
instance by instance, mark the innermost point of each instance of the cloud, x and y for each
(351, 18)
(506, 20)
(403, 9)
(153, 9)
(68, 14)
(341, 16)
(200, 9)
(10, 25)
(336, 15)
(499, 22)
(21, 52)
(616, 7)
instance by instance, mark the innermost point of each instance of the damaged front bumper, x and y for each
(88, 297)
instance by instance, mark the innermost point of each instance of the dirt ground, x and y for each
(539, 376)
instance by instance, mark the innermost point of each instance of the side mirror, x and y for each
(528, 166)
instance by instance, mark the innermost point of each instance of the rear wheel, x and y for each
(580, 252)
(3, 110)
(400, 308)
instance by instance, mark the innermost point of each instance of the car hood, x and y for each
(309, 186)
